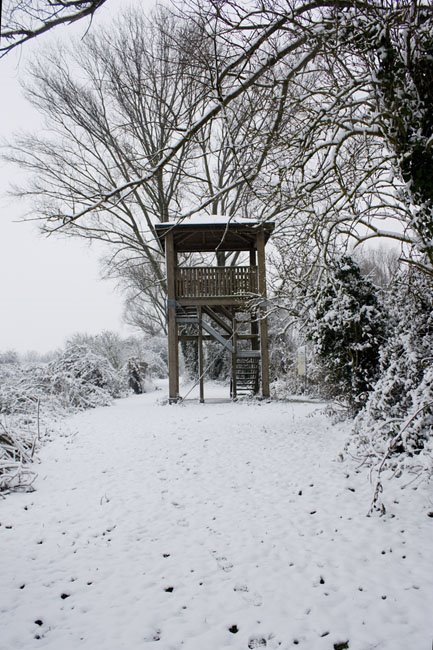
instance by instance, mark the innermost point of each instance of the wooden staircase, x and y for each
(186, 315)
(190, 316)
(246, 361)
(247, 376)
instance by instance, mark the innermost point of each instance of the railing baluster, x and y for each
(202, 282)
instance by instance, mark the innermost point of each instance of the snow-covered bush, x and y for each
(153, 352)
(118, 351)
(8, 357)
(136, 375)
(289, 382)
(345, 323)
(17, 446)
(83, 379)
(22, 390)
(106, 344)
(395, 428)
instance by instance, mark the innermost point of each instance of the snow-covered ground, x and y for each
(211, 526)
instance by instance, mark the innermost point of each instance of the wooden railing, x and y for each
(215, 281)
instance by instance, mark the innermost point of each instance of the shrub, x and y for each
(346, 325)
(83, 379)
(393, 433)
(400, 408)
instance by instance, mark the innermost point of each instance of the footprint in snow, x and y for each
(183, 522)
(224, 564)
(155, 635)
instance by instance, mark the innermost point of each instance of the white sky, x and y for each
(50, 288)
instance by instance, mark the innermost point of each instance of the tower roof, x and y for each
(203, 232)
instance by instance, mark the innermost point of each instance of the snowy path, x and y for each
(208, 527)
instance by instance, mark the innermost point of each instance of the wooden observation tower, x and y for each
(226, 304)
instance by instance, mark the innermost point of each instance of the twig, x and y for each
(378, 488)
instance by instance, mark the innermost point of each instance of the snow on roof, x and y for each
(201, 218)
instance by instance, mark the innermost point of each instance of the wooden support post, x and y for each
(263, 322)
(200, 355)
(254, 314)
(255, 330)
(173, 347)
(252, 257)
(234, 359)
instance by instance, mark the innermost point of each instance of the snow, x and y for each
(211, 526)
(202, 219)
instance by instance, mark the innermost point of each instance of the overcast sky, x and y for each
(50, 288)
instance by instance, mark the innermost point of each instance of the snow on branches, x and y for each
(394, 431)
(345, 324)
(28, 19)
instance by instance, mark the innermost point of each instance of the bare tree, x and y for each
(113, 106)
(362, 152)
(144, 307)
(24, 20)
(315, 114)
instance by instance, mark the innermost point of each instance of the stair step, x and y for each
(247, 372)
(186, 315)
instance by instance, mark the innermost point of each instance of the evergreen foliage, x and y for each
(346, 326)
(401, 404)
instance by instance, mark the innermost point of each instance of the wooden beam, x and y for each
(254, 313)
(208, 337)
(220, 321)
(263, 321)
(200, 356)
(173, 347)
(215, 301)
(234, 390)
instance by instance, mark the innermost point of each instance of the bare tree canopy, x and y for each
(315, 114)
(23, 20)
(360, 96)
(113, 106)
